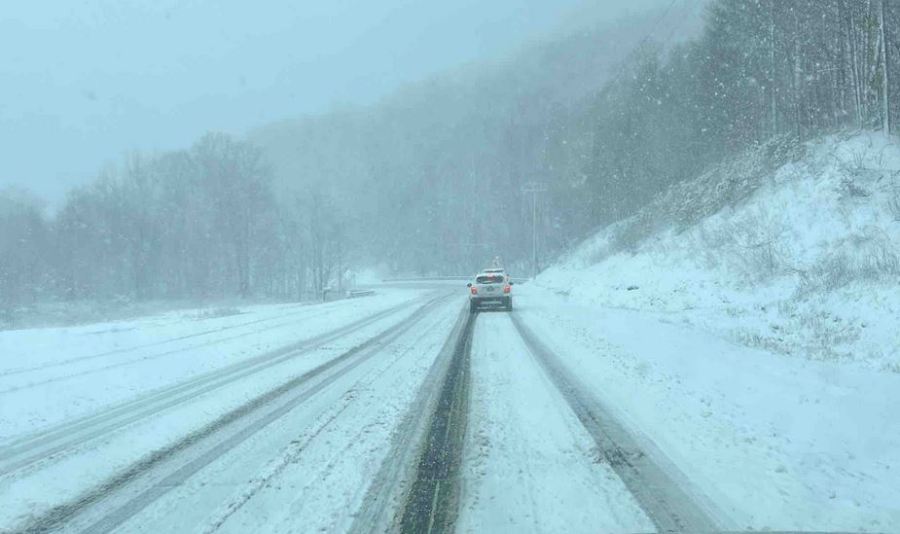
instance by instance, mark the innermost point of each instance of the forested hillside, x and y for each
(431, 180)
(604, 134)
(437, 170)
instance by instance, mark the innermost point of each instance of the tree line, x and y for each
(191, 224)
(441, 169)
(759, 69)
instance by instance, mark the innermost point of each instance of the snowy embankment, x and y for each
(752, 346)
(803, 260)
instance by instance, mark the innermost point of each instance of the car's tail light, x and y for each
(474, 290)
(506, 289)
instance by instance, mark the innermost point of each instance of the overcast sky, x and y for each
(83, 82)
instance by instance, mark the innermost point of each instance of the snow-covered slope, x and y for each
(795, 250)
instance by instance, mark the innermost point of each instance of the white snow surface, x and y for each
(309, 471)
(50, 375)
(530, 466)
(772, 442)
(768, 440)
(758, 348)
(808, 266)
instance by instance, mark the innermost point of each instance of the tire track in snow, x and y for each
(146, 358)
(300, 446)
(382, 504)
(212, 441)
(432, 503)
(31, 449)
(668, 505)
(62, 363)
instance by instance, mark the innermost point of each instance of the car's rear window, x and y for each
(490, 279)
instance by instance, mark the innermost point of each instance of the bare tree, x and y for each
(239, 185)
(326, 236)
(885, 74)
(24, 241)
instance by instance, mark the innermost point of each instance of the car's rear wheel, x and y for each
(509, 304)
(473, 306)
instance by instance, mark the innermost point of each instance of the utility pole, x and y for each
(534, 188)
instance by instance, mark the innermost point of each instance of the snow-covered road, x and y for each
(402, 412)
(530, 465)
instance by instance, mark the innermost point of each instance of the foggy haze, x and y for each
(93, 80)
(431, 266)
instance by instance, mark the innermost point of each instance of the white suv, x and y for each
(494, 287)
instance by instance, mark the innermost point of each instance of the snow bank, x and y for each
(764, 442)
(792, 249)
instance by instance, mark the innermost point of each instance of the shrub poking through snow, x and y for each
(683, 205)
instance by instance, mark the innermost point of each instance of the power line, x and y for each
(679, 24)
(655, 24)
(620, 68)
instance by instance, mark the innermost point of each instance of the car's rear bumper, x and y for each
(499, 299)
